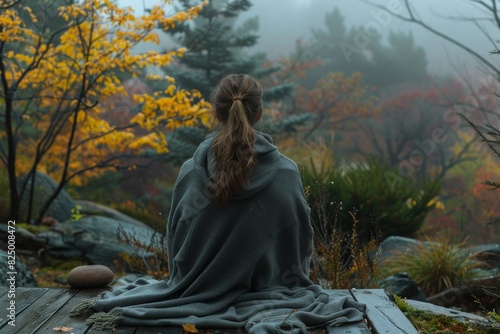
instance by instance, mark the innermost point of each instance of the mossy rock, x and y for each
(95, 239)
(23, 278)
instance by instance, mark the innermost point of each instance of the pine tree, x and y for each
(217, 47)
(358, 50)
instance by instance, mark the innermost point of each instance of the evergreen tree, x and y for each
(358, 50)
(217, 47)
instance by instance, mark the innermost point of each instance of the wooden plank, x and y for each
(42, 310)
(172, 330)
(158, 330)
(383, 315)
(117, 330)
(39, 310)
(24, 298)
(62, 318)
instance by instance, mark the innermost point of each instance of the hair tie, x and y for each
(238, 98)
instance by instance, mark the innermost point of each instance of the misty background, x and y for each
(283, 22)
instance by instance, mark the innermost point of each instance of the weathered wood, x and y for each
(62, 318)
(118, 330)
(382, 313)
(41, 310)
(24, 299)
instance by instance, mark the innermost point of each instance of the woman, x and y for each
(239, 237)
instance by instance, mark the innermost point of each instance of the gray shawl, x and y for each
(242, 265)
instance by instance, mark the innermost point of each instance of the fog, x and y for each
(282, 22)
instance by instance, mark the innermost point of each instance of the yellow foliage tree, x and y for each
(54, 86)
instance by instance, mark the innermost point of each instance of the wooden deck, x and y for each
(45, 311)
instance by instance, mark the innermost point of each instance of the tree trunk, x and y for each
(8, 93)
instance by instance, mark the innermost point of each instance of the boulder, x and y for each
(24, 239)
(94, 209)
(23, 277)
(489, 253)
(60, 209)
(90, 276)
(396, 245)
(475, 295)
(403, 286)
(94, 239)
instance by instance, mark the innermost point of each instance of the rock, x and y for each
(477, 294)
(95, 209)
(91, 276)
(396, 245)
(23, 277)
(93, 239)
(489, 253)
(24, 239)
(60, 209)
(403, 286)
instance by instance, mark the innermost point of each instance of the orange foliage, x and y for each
(335, 99)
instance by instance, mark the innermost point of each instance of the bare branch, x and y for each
(412, 19)
(104, 134)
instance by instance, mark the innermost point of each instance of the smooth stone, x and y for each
(91, 276)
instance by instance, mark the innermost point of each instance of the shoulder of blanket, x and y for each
(287, 176)
(288, 164)
(186, 167)
(183, 179)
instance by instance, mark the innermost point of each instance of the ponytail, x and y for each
(237, 104)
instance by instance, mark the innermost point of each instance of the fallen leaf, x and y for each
(62, 329)
(189, 328)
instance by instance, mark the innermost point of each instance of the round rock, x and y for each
(91, 276)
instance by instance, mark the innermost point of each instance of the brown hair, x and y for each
(237, 103)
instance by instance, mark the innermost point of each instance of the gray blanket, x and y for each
(244, 265)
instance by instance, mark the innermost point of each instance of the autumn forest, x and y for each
(385, 147)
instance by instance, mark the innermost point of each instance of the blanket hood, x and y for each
(268, 159)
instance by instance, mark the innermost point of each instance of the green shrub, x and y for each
(435, 266)
(381, 200)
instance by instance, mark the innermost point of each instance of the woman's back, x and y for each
(261, 238)
(238, 235)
